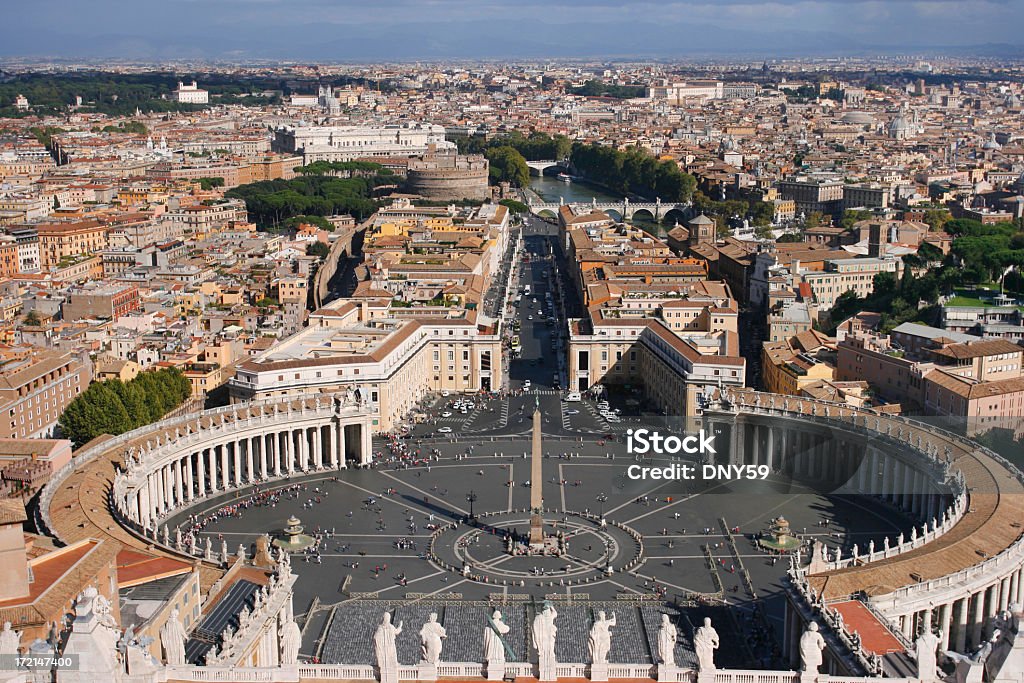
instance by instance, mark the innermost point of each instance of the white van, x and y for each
(573, 396)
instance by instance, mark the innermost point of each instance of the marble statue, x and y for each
(431, 636)
(705, 642)
(600, 640)
(667, 637)
(494, 648)
(10, 640)
(924, 652)
(544, 631)
(173, 637)
(384, 644)
(811, 645)
(291, 641)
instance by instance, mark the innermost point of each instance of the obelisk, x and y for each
(536, 483)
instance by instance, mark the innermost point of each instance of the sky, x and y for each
(393, 30)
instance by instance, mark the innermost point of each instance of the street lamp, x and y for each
(471, 498)
(602, 499)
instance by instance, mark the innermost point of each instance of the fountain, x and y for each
(779, 538)
(292, 539)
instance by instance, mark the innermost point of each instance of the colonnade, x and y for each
(961, 620)
(212, 460)
(848, 463)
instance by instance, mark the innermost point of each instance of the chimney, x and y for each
(876, 240)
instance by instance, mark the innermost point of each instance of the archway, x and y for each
(643, 215)
(546, 213)
(613, 214)
(674, 216)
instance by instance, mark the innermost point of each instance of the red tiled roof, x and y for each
(874, 635)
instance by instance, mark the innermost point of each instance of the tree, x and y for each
(853, 216)
(210, 183)
(114, 407)
(937, 218)
(32, 318)
(318, 249)
(814, 219)
(884, 284)
(508, 165)
(514, 206)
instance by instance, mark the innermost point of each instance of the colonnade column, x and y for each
(342, 447)
(945, 624)
(178, 483)
(303, 449)
(189, 494)
(212, 467)
(961, 624)
(976, 619)
(318, 456)
(250, 473)
(201, 474)
(367, 454)
(225, 467)
(332, 445)
(236, 447)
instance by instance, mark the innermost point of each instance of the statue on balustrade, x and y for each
(173, 637)
(384, 644)
(811, 645)
(600, 640)
(705, 642)
(544, 631)
(667, 637)
(431, 636)
(291, 641)
(10, 640)
(494, 647)
(925, 648)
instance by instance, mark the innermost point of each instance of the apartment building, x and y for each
(846, 275)
(892, 375)
(35, 388)
(984, 360)
(392, 357)
(108, 301)
(58, 241)
(976, 407)
(200, 217)
(810, 195)
(794, 364)
(636, 350)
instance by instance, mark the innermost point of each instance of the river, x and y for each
(551, 189)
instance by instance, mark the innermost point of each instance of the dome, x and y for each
(992, 144)
(899, 124)
(860, 118)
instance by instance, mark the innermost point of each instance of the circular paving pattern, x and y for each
(479, 550)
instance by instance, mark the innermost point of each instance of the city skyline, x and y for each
(402, 30)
